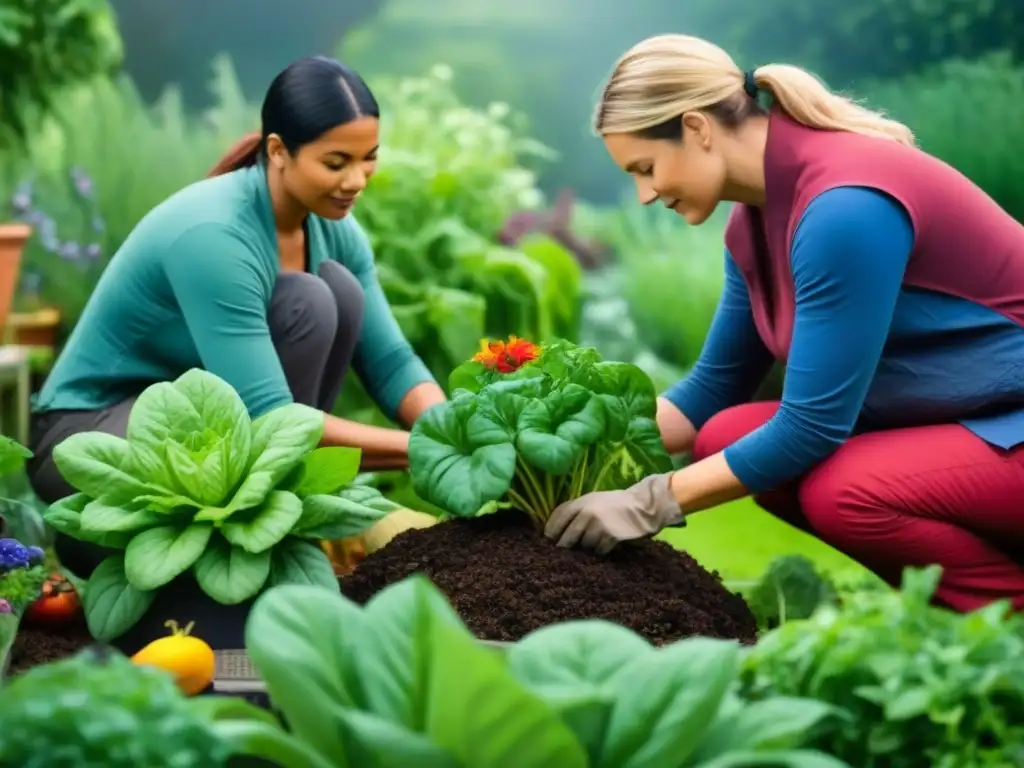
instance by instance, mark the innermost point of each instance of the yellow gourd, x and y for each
(384, 530)
(345, 554)
(188, 658)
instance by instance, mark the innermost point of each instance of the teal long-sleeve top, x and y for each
(191, 287)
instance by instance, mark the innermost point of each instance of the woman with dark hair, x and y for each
(257, 274)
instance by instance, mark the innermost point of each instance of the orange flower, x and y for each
(506, 356)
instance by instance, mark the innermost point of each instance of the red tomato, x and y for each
(58, 605)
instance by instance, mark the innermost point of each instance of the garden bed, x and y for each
(505, 581)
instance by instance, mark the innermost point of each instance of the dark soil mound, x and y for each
(505, 580)
(34, 646)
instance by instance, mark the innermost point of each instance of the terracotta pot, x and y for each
(34, 329)
(12, 242)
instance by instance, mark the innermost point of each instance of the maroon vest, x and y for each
(965, 245)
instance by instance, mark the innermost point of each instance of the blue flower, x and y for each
(36, 555)
(13, 554)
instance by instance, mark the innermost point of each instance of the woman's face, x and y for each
(327, 175)
(686, 176)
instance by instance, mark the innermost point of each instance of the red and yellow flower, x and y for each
(506, 356)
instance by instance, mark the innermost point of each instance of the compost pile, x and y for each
(505, 580)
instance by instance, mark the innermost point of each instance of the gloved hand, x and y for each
(602, 519)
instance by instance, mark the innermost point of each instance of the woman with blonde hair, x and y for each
(890, 286)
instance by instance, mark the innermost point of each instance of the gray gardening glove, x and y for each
(602, 519)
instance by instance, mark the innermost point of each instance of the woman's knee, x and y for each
(844, 508)
(303, 311)
(347, 292)
(727, 426)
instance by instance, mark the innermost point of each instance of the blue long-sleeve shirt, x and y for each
(866, 352)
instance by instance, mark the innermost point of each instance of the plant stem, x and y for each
(533, 485)
(579, 475)
(520, 502)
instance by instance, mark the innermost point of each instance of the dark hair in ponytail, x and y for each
(308, 98)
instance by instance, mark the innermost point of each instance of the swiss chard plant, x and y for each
(198, 485)
(533, 427)
(402, 681)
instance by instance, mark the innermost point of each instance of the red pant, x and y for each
(906, 497)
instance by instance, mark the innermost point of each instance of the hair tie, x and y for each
(750, 84)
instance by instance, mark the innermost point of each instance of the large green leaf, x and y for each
(327, 470)
(297, 638)
(111, 604)
(99, 517)
(281, 439)
(229, 574)
(100, 465)
(65, 516)
(336, 517)
(570, 666)
(155, 557)
(267, 524)
(554, 432)
(294, 561)
(665, 700)
(412, 651)
(453, 468)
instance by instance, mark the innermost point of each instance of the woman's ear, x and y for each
(276, 151)
(697, 129)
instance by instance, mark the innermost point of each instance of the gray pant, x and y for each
(315, 321)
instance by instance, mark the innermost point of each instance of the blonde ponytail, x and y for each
(807, 100)
(662, 77)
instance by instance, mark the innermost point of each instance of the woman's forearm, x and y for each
(677, 432)
(375, 442)
(706, 484)
(383, 448)
(417, 400)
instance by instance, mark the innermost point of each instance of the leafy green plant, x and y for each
(917, 684)
(99, 710)
(127, 156)
(791, 588)
(46, 45)
(197, 485)
(955, 98)
(548, 430)
(403, 682)
(448, 178)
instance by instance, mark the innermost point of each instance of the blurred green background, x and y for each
(493, 211)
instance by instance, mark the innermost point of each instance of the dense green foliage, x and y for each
(46, 45)
(916, 685)
(402, 681)
(872, 39)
